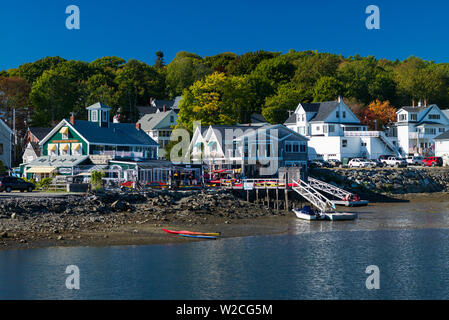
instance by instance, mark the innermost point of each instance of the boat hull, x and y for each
(211, 234)
(198, 236)
(305, 216)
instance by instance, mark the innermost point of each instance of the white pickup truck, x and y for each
(394, 162)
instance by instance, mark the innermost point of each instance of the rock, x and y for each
(4, 235)
(13, 216)
(60, 238)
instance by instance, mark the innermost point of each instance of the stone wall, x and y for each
(387, 180)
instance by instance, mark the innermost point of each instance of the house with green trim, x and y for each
(94, 140)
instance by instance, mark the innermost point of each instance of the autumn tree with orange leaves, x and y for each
(382, 112)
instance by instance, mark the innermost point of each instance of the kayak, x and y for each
(198, 236)
(210, 234)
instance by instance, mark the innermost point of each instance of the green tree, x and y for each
(277, 107)
(137, 82)
(248, 62)
(159, 63)
(327, 89)
(33, 70)
(185, 69)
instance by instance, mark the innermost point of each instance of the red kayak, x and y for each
(191, 233)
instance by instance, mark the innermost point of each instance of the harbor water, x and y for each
(413, 264)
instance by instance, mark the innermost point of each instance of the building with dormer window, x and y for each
(335, 132)
(418, 126)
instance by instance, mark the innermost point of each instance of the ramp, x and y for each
(313, 196)
(336, 192)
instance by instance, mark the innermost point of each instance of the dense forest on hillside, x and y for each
(221, 89)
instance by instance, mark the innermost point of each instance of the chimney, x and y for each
(164, 108)
(419, 103)
(425, 102)
(138, 126)
(413, 103)
(339, 98)
(72, 119)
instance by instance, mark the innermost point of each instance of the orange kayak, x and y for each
(191, 233)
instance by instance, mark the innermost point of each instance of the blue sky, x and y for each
(32, 29)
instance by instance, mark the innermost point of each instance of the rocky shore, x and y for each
(387, 181)
(105, 218)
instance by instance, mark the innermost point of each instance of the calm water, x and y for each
(414, 264)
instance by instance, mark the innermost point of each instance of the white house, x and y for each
(442, 147)
(259, 150)
(417, 128)
(335, 132)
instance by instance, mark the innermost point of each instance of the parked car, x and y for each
(384, 157)
(12, 183)
(374, 163)
(415, 160)
(433, 161)
(394, 162)
(359, 163)
(335, 162)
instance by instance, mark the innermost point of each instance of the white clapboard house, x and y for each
(335, 132)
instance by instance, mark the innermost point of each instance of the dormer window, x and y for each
(344, 114)
(413, 117)
(403, 117)
(338, 114)
(64, 133)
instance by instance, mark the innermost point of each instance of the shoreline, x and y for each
(136, 229)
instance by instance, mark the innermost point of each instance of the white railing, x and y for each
(120, 154)
(417, 135)
(362, 133)
(313, 196)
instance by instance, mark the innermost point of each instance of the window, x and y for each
(441, 130)
(338, 114)
(1, 148)
(434, 116)
(363, 144)
(317, 128)
(94, 115)
(413, 117)
(430, 130)
(295, 147)
(105, 116)
(331, 128)
(172, 119)
(402, 117)
(344, 114)
(344, 143)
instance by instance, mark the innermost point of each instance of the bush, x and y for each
(96, 179)
(44, 183)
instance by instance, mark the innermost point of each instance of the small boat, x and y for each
(191, 233)
(198, 236)
(307, 213)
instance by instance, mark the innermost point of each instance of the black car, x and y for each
(12, 183)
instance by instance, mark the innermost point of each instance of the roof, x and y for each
(443, 136)
(57, 161)
(114, 134)
(323, 109)
(282, 132)
(158, 105)
(97, 106)
(40, 133)
(414, 109)
(291, 119)
(150, 121)
(258, 118)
